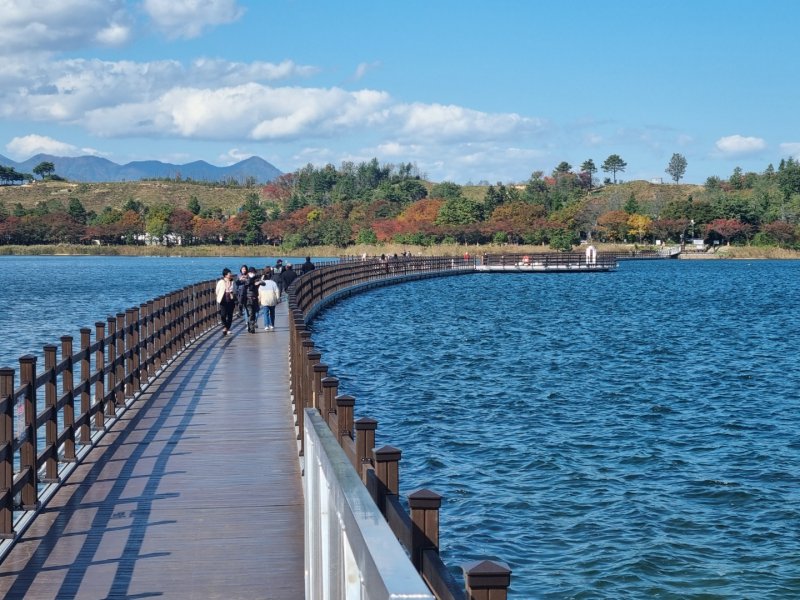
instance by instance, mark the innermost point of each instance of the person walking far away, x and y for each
(269, 296)
(288, 276)
(251, 299)
(225, 300)
(277, 274)
(307, 266)
(241, 283)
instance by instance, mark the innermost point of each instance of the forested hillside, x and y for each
(373, 203)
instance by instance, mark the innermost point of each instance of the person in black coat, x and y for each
(288, 276)
(307, 266)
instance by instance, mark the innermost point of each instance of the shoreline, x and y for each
(320, 252)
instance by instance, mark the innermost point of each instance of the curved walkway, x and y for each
(194, 493)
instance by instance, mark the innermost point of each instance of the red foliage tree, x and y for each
(728, 229)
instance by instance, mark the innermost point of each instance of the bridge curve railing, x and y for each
(51, 418)
(317, 401)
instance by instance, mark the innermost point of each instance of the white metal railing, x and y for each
(350, 552)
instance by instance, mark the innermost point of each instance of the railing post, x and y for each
(111, 408)
(7, 443)
(51, 425)
(387, 469)
(330, 387)
(424, 505)
(68, 387)
(365, 441)
(486, 580)
(344, 410)
(312, 359)
(86, 393)
(28, 452)
(320, 373)
(131, 370)
(100, 368)
(122, 336)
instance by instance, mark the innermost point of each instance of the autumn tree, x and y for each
(728, 229)
(613, 225)
(639, 225)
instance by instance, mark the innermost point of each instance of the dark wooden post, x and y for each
(28, 452)
(330, 387)
(137, 350)
(131, 372)
(344, 410)
(320, 373)
(158, 334)
(387, 469)
(67, 386)
(303, 383)
(100, 368)
(365, 442)
(111, 408)
(312, 359)
(51, 424)
(122, 335)
(424, 505)
(487, 580)
(86, 392)
(7, 443)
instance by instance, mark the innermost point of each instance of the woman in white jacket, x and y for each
(226, 300)
(269, 296)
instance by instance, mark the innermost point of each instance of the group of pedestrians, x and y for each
(251, 292)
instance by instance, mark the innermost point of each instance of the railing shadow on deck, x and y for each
(99, 515)
(42, 440)
(315, 394)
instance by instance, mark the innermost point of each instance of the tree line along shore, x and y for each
(334, 211)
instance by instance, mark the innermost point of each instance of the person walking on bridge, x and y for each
(225, 300)
(307, 266)
(251, 298)
(269, 296)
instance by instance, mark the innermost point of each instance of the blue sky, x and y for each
(469, 91)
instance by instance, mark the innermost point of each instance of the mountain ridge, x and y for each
(96, 169)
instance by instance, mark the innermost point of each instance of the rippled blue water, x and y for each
(627, 434)
(46, 297)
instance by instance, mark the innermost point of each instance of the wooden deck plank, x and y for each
(194, 493)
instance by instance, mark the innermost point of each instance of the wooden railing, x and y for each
(314, 387)
(83, 392)
(552, 260)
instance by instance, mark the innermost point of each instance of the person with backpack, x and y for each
(251, 298)
(269, 296)
(288, 276)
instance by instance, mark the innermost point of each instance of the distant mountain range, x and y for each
(96, 169)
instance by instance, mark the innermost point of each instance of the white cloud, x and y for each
(233, 156)
(739, 145)
(47, 26)
(449, 123)
(790, 149)
(188, 18)
(26, 146)
(363, 68)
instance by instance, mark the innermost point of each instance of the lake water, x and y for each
(630, 434)
(50, 296)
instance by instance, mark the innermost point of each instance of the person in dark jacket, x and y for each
(241, 285)
(251, 298)
(277, 274)
(288, 276)
(307, 266)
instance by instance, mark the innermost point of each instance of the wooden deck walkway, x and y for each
(194, 493)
